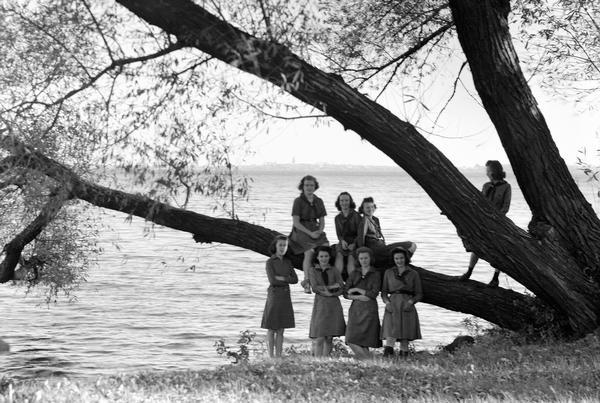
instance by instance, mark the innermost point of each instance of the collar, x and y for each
(318, 267)
(398, 274)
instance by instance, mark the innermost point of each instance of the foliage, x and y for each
(246, 344)
(494, 369)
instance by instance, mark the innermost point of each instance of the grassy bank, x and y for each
(495, 369)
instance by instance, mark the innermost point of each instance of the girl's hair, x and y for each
(308, 178)
(400, 249)
(337, 202)
(273, 245)
(497, 172)
(323, 248)
(366, 200)
(364, 249)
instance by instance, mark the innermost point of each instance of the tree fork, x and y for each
(542, 174)
(546, 270)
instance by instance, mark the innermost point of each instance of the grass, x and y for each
(496, 368)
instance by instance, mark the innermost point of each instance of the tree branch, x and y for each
(14, 248)
(506, 308)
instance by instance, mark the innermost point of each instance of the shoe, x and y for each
(466, 275)
(388, 351)
(494, 283)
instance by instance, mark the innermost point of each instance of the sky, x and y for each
(465, 134)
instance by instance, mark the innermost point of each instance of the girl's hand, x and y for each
(409, 304)
(280, 278)
(363, 298)
(344, 244)
(351, 246)
(388, 306)
(315, 234)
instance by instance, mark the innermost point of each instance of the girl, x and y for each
(327, 318)
(308, 215)
(346, 227)
(362, 288)
(498, 192)
(370, 235)
(278, 314)
(400, 291)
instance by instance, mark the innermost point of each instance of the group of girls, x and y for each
(352, 275)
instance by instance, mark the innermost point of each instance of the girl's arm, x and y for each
(385, 291)
(299, 226)
(506, 200)
(292, 277)
(270, 268)
(418, 289)
(373, 290)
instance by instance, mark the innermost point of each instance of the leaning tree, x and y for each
(558, 259)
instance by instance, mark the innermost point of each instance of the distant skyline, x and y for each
(469, 138)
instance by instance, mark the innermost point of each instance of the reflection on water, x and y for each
(160, 301)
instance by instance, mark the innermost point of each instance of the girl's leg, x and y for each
(279, 342)
(360, 351)
(495, 282)
(404, 348)
(327, 345)
(306, 264)
(351, 264)
(320, 346)
(270, 341)
(339, 262)
(388, 350)
(472, 262)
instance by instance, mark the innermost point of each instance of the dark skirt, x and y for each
(363, 324)
(300, 242)
(278, 313)
(401, 323)
(327, 317)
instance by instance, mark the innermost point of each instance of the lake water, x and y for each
(159, 301)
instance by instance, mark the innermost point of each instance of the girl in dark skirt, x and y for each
(370, 235)
(400, 291)
(308, 213)
(327, 319)
(362, 287)
(278, 314)
(346, 228)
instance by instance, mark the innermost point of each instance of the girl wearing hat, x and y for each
(278, 313)
(400, 291)
(362, 288)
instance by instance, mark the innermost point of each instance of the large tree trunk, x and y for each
(543, 176)
(546, 269)
(503, 307)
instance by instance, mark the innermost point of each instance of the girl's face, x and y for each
(308, 187)
(399, 259)
(488, 172)
(345, 202)
(364, 259)
(369, 208)
(323, 258)
(281, 247)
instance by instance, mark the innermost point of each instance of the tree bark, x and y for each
(505, 308)
(545, 269)
(543, 176)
